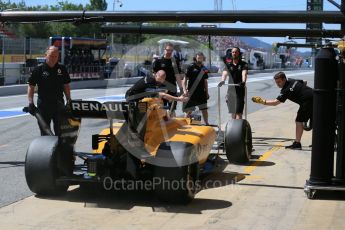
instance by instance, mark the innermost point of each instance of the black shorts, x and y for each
(191, 104)
(235, 99)
(305, 112)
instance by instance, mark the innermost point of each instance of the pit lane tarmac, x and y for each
(265, 194)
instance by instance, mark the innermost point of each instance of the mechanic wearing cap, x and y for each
(139, 90)
(173, 71)
(196, 81)
(238, 70)
(52, 80)
(298, 92)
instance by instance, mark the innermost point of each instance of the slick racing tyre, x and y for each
(238, 141)
(177, 184)
(41, 169)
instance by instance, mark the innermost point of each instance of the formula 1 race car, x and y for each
(144, 144)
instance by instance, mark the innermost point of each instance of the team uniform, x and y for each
(196, 76)
(50, 82)
(235, 94)
(171, 67)
(139, 90)
(298, 92)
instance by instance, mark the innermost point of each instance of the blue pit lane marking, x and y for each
(14, 112)
(109, 98)
(17, 112)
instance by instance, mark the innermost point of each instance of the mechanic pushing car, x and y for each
(52, 80)
(238, 72)
(173, 71)
(298, 92)
(140, 89)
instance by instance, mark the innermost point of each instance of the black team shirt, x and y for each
(171, 68)
(50, 81)
(138, 90)
(196, 76)
(296, 91)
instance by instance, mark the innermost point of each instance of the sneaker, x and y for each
(295, 145)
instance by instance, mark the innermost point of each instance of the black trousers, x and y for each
(51, 112)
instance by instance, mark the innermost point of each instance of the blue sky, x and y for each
(189, 5)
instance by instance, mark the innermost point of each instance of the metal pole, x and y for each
(62, 53)
(219, 114)
(340, 161)
(214, 31)
(30, 45)
(2, 81)
(342, 9)
(112, 34)
(24, 49)
(246, 102)
(226, 16)
(209, 51)
(324, 104)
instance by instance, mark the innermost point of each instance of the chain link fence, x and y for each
(15, 52)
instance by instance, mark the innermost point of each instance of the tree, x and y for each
(38, 30)
(47, 29)
(97, 5)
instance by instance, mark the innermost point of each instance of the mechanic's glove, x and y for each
(242, 84)
(32, 109)
(221, 83)
(259, 100)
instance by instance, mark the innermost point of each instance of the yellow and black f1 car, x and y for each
(143, 144)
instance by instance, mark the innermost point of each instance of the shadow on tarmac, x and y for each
(126, 200)
(95, 196)
(11, 164)
(271, 186)
(329, 195)
(260, 163)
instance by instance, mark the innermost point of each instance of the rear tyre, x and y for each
(238, 141)
(177, 184)
(41, 167)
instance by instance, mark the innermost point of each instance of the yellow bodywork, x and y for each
(161, 128)
(341, 46)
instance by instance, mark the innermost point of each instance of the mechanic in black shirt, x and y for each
(197, 85)
(139, 90)
(298, 92)
(238, 70)
(52, 80)
(173, 71)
